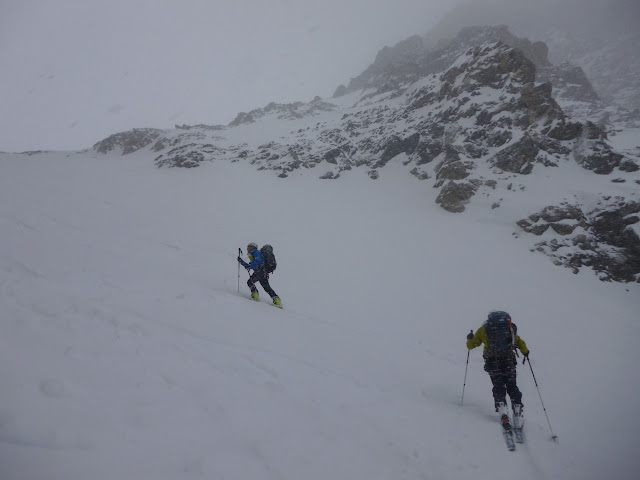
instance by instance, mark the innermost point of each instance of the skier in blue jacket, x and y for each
(260, 274)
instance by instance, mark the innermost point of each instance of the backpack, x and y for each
(269, 258)
(500, 334)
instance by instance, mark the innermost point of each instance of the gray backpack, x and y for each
(269, 258)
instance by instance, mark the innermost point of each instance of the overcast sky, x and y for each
(75, 71)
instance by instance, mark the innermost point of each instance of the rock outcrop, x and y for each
(602, 238)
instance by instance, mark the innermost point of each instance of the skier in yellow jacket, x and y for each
(500, 339)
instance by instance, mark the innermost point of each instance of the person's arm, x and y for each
(522, 346)
(476, 340)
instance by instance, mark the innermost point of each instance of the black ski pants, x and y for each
(502, 371)
(261, 277)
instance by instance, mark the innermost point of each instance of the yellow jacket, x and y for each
(480, 337)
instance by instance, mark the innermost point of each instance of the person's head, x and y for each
(251, 247)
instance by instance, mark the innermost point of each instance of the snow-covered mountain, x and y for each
(484, 119)
(600, 36)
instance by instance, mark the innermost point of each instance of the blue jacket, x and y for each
(255, 260)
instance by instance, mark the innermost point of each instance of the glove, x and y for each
(470, 335)
(242, 262)
(526, 356)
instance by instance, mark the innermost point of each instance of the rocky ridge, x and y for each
(601, 36)
(477, 117)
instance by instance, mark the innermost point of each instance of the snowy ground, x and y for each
(127, 353)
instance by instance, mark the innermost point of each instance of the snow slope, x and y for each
(127, 352)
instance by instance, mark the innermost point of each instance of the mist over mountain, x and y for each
(601, 36)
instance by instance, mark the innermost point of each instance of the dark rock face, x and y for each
(331, 176)
(419, 174)
(555, 214)
(564, 130)
(186, 156)
(528, 227)
(519, 157)
(598, 157)
(600, 239)
(454, 196)
(396, 146)
(537, 100)
(129, 142)
(290, 111)
(426, 152)
(454, 170)
(627, 165)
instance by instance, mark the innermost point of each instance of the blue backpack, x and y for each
(500, 333)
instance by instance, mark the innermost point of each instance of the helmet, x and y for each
(252, 245)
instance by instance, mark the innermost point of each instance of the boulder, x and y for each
(454, 196)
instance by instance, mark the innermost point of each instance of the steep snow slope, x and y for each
(127, 353)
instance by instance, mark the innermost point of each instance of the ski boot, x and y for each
(255, 296)
(501, 408)
(518, 422)
(518, 419)
(277, 302)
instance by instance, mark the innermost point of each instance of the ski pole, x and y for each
(465, 377)
(553, 437)
(239, 254)
(465, 374)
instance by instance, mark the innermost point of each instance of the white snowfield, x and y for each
(127, 353)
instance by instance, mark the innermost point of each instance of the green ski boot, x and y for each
(255, 296)
(277, 302)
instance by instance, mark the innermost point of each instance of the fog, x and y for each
(586, 19)
(75, 71)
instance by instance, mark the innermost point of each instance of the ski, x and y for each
(508, 438)
(507, 432)
(519, 435)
